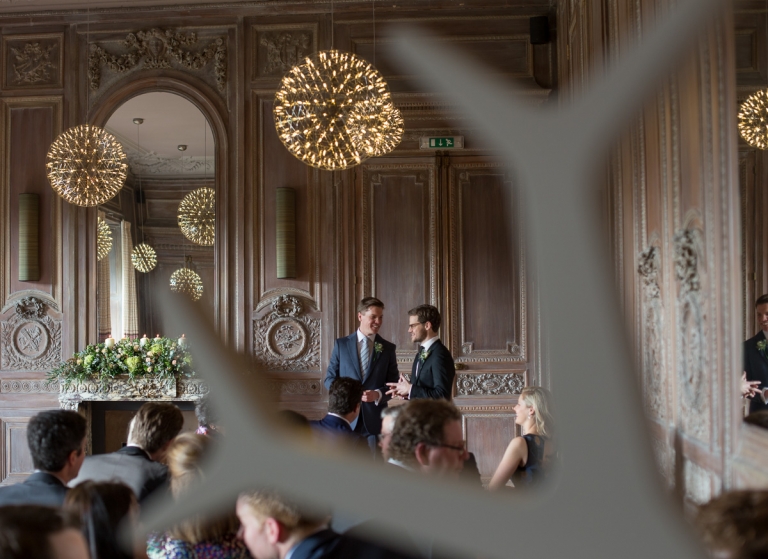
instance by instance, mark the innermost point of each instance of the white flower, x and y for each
(149, 369)
(173, 362)
(136, 348)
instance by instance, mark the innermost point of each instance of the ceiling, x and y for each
(169, 120)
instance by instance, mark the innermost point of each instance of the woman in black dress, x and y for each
(527, 458)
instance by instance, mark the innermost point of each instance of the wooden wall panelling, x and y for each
(491, 432)
(489, 310)
(33, 61)
(16, 462)
(399, 241)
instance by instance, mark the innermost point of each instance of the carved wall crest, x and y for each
(286, 340)
(284, 50)
(653, 356)
(34, 63)
(489, 384)
(30, 340)
(692, 350)
(159, 48)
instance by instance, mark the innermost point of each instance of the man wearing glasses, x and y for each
(433, 370)
(428, 438)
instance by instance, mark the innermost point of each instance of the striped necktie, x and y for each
(365, 353)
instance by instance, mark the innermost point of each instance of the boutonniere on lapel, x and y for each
(423, 355)
(377, 349)
(761, 346)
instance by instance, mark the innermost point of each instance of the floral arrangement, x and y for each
(761, 346)
(156, 357)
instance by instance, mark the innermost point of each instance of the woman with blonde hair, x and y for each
(527, 458)
(198, 537)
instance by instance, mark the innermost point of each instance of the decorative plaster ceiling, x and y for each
(169, 120)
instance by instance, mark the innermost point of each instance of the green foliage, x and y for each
(160, 358)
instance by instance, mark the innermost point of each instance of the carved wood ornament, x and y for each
(284, 340)
(34, 63)
(159, 48)
(653, 357)
(285, 50)
(30, 340)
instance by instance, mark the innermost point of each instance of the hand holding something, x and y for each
(401, 388)
(370, 395)
(748, 387)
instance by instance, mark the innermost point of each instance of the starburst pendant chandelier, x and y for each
(376, 130)
(86, 165)
(197, 216)
(144, 258)
(315, 102)
(103, 239)
(753, 120)
(186, 281)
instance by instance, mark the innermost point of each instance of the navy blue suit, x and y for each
(337, 426)
(327, 544)
(40, 488)
(756, 367)
(382, 368)
(436, 374)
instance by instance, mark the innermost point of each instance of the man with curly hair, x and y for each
(56, 440)
(428, 438)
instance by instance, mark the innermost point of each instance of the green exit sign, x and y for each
(441, 142)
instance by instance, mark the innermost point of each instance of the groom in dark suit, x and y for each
(369, 358)
(756, 354)
(433, 370)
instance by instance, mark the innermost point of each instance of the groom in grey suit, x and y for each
(369, 358)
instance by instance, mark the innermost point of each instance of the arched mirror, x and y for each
(171, 157)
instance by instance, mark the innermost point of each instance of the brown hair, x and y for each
(184, 458)
(421, 421)
(368, 302)
(427, 313)
(762, 300)
(101, 507)
(734, 518)
(25, 530)
(344, 395)
(154, 425)
(295, 518)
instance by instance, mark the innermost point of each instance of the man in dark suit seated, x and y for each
(273, 527)
(369, 358)
(138, 465)
(756, 358)
(56, 440)
(344, 401)
(40, 532)
(433, 370)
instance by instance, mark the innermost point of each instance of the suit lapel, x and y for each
(352, 354)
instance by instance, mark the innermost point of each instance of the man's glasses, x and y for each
(414, 325)
(462, 448)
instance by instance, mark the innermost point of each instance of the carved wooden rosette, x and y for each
(691, 336)
(489, 384)
(30, 340)
(286, 339)
(158, 49)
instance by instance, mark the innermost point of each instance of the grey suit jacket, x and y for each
(130, 465)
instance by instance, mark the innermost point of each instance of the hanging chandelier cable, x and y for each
(143, 256)
(753, 112)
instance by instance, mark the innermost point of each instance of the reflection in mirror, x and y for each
(146, 209)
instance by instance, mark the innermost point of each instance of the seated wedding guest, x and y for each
(344, 401)
(388, 417)
(428, 438)
(101, 508)
(274, 527)
(528, 458)
(56, 440)
(733, 521)
(139, 464)
(198, 537)
(40, 532)
(758, 418)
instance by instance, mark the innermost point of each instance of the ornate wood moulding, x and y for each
(125, 389)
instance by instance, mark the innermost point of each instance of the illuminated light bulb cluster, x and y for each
(144, 258)
(86, 165)
(753, 120)
(103, 239)
(197, 216)
(187, 281)
(334, 110)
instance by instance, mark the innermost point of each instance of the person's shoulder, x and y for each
(386, 343)
(754, 339)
